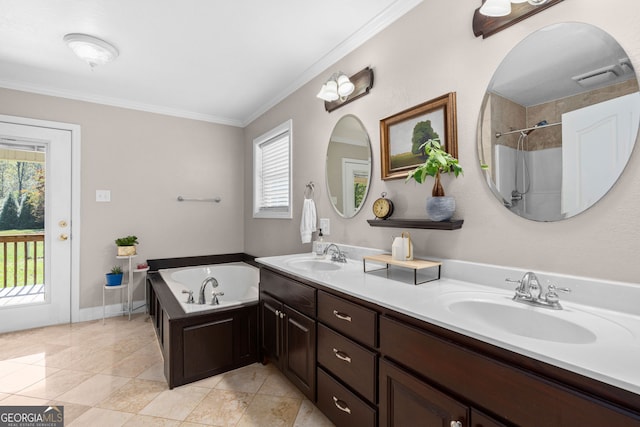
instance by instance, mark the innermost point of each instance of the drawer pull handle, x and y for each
(341, 355)
(455, 424)
(341, 316)
(341, 405)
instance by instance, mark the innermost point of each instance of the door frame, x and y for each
(75, 199)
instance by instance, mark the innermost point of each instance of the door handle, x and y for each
(63, 237)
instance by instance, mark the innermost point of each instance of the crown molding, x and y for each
(391, 14)
(121, 103)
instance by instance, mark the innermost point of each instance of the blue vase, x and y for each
(114, 279)
(441, 208)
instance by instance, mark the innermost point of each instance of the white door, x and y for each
(55, 306)
(596, 142)
(354, 171)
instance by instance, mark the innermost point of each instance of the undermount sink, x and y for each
(313, 264)
(493, 314)
(524, 321)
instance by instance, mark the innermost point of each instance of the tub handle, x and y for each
(214, 297)
(190, 298)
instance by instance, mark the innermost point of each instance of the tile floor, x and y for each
(112, 375)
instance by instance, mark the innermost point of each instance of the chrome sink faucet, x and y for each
(214, 284)
(530, 291)
(336, 255)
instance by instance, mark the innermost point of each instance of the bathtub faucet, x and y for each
(214, 284)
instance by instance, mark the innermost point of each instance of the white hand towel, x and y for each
(308, 222)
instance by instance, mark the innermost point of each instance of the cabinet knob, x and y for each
(342, 316)
(63, 237)
(281, 315)
(277, 312)
(455, 424)
(343, 406)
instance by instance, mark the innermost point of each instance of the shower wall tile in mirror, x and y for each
(549, 122)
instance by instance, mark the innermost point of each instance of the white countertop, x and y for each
(613, 357)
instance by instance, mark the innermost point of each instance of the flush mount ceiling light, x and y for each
(497, 8)
(337, 87)
(91, 49)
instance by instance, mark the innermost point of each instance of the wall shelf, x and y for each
(417, 223)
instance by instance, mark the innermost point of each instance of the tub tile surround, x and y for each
(32, 373)
(612, 359)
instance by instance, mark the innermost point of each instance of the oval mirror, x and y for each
(348, 166)
(559, 121)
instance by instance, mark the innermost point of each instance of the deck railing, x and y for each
(22, 260)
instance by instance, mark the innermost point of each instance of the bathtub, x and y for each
(238, 281)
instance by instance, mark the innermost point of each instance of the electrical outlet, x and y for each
(325, 225)
(103, 195)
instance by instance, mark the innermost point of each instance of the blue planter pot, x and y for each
(114, 279)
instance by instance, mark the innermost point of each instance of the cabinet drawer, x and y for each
(351, 319)
(352, 363)
(294, 294)
(341, 406)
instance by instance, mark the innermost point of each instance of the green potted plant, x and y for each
(438, 161)
(127, 245)
(114, 278)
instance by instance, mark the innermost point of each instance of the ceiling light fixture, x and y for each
(498, 8)
(91, 49)
(337, 87)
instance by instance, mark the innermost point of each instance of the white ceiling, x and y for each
(224, 62)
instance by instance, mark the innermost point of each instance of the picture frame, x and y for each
(434, 118)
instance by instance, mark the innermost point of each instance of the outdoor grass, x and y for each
(20, 255)
(405, 159)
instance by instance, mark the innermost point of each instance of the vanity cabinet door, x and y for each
(299, 363)
(271, 332)
(407, 401)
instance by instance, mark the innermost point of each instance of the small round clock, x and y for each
(383, 207)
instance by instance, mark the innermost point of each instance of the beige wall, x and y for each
(146, 160)
(427, 53)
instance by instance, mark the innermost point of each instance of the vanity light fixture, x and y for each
(91, 49)
(337, 87)
(497, 8)
(340, 90)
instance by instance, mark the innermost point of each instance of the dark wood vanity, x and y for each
(365, 365)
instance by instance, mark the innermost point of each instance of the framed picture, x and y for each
(402, 134)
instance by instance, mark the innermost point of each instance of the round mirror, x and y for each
(559, 121)
(348, 167)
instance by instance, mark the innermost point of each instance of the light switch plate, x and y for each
(103, 195)
(325, 225)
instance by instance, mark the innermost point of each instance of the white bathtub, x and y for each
(238, 281)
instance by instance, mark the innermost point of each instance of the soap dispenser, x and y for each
(318, 245)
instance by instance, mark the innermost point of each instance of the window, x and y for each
(272, 173)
